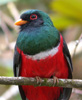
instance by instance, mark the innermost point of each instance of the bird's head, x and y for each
(33, 18)
(37, 32)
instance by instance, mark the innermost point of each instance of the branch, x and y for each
(13, 90)
(69, 83)
(14, 11)
(75, 47)
(77, 43)
(8, 20)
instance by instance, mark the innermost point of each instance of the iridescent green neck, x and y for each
(34, 40)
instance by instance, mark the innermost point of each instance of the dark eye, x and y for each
(33, 17)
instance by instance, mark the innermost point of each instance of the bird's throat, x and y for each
(34, 41)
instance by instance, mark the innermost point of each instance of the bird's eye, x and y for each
(33, 17)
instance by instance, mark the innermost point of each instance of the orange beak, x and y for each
(20, 22)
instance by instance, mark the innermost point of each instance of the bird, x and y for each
(41, 52)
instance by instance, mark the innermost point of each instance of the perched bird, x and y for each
(41, 51)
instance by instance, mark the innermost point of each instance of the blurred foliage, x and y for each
(2, 2)
(17, 97)
(6, 71)
(66, 13)
(63, 13)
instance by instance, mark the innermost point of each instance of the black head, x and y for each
(33, 18)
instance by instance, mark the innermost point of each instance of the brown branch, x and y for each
(69, 83)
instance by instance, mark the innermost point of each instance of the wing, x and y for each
(67, 91)
(16, 62)
(67, 56)
(16, 68)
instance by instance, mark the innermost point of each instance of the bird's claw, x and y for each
(39, 80)
(55, 80)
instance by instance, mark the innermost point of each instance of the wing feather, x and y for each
(67, 91)
(16, 68)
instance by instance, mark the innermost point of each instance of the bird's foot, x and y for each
(55, 80)
(39, 80)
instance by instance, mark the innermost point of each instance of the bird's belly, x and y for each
(48, 67)
(42, 92)
(56, 65)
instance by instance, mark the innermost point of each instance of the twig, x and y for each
(72, 46)
(14, 11)
(77, 42)
(77, 91)
(13, 90)
(5, 30)
(9, 21)
(69, 83)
